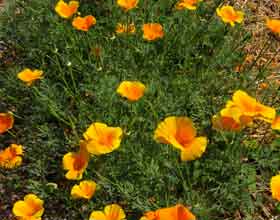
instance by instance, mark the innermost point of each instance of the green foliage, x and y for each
(190, 72)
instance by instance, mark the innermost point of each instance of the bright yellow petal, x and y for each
(97, 215)
(275, 187)
(21, 209)
(74, 175)
(76, 192)
(114, 212)
(68, 161)
(195, 149)
(166, 130)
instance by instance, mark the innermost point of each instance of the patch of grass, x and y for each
(190, 72)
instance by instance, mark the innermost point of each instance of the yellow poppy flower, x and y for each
(85, 189)
(275, 187)
(276, 123)
(132, 90)
(229, 15)
(241, 112)
(102, 139)
(76, 163)
(178, 212)
(65, 10)
(152, 31)
(180, 132)
(6, 122)
(28, 76)
(127, 4)
(251, 107)
(11, 156)
(31, 208)
(84, 23)
(187, 4)
(125, 28)
(111, 212)
(273, 25)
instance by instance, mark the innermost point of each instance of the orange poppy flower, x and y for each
(31, 208)
(273, 25)
(111, 212)
(187, 4)
(84, 23)
(102, 139)
(180, 132)
(132, 90)
(275, 187)
(65, 10)
(178, 212)
(6, 122)
(125, 28)
(276, 123)
(85, 189)
(152, 31)
(28, 76)
(11, 156)
(127, 4)
(229, 15)
(76, 163)
(225, 123)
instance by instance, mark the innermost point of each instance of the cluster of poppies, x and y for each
(100, 138)
(152, 31)
(11, 156)
(242, 111)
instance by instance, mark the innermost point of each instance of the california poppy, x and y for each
(241, 111)
(76, 163)
(229, 15)
(66, 10)
(132, 90)
(152, 31)
(85, 189)
(11, 156)
(6, 122)
(225, 123)
(83, 23)
(181, 134)
(249, 106)
(187, 4)
(102, 139)
(178, 212)
(273, 25)
(29, 76)
(31, 208)
(127, 4)
(111, 212)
